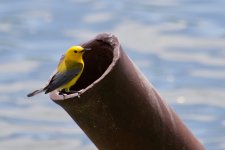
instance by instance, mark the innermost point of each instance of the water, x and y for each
(178, 44)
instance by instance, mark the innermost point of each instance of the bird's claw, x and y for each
(79, 93)
(64, 93)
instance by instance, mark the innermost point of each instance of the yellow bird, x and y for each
(69, 70)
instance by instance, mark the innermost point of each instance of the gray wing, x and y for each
(60, 79)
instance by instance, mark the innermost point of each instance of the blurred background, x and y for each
(178, 44)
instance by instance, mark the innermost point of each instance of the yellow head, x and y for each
(75, 53)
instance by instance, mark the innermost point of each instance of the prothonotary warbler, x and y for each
(69, 70)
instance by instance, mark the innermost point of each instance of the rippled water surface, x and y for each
(178, 44)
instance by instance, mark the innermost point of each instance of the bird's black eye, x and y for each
(75, 51)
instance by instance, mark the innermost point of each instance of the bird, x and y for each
(69, 70)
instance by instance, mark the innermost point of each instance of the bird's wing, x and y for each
(59, 79)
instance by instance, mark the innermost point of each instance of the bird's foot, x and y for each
(64, 92)
(78, 92)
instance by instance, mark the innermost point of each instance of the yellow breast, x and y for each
(68, 64)
(72, 82)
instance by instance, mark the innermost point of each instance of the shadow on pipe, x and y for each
(118, 108)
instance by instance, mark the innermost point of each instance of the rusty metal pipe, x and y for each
(118, 108)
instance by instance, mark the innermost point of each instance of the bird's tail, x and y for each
(36, 92)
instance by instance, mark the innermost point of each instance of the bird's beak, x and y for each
(87, 49)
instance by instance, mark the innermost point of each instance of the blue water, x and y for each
(178, 44)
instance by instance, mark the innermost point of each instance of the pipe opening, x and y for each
(96, 63)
